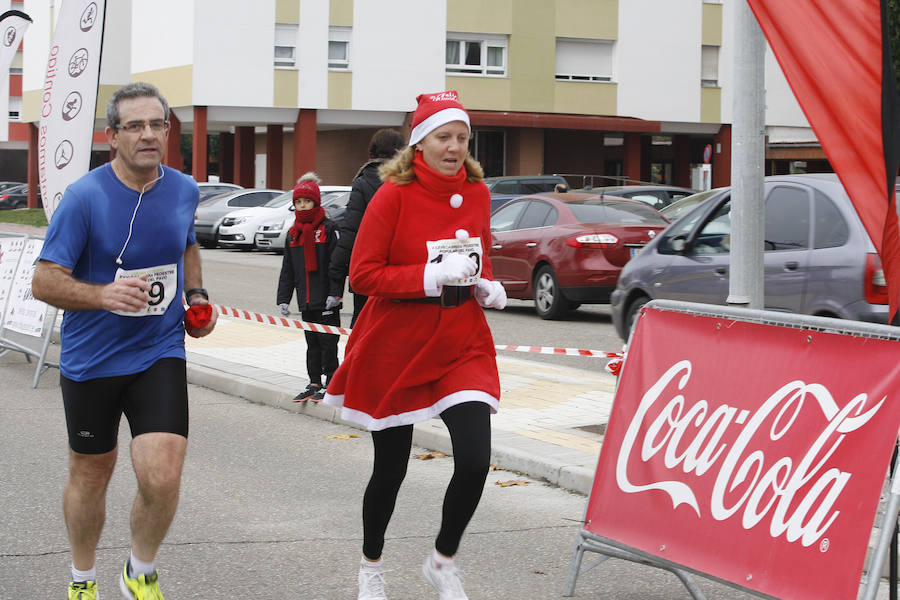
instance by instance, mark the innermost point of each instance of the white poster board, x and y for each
(10, 250)
(24, 313)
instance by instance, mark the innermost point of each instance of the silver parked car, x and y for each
(818, 258)
(210, 212)
(271, 235)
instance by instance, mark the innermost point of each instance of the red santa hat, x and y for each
(435, 110)
(308, 187)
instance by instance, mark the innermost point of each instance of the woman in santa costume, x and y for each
(421, 347)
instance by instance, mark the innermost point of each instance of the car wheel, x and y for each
(22, 204)
(632, 312)
(548, 299)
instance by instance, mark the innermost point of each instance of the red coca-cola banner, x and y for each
(753, 453)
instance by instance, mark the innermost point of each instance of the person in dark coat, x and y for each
(383, 146)
(311, 242)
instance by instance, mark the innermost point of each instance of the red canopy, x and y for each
(836, 57)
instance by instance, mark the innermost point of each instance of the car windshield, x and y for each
(611, 211)
(280, 200)
(336, 199)
(673, 211)
(215, 200)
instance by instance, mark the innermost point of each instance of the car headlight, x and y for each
(239, 220)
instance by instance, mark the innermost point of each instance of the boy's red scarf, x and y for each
(304, 231)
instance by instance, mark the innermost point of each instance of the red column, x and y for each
(173, 144)
(274, 156)
(721, 157)
(304, 142)
(243, 156)
(631, 161)
(33, 157)
(201, 152)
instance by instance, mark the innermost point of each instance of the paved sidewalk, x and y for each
(550, 424)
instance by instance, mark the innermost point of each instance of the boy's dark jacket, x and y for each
(293, 275)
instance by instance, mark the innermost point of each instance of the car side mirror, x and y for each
(679, 244)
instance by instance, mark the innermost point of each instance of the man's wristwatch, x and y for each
(193, 291)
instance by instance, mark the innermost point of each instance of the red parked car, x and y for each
(564, 250)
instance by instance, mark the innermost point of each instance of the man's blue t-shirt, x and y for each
(86, 234)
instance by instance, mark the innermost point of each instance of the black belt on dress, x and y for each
(451, 296)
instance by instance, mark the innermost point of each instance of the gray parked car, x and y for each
(657, 196)
(211, 211)
(818, 258)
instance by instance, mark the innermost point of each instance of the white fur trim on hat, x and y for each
(442, 117)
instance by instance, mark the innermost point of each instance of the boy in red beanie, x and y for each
(310, 243)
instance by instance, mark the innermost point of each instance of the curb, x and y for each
(430, 435)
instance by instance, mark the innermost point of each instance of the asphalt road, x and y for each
(270, 509)
(249, 280)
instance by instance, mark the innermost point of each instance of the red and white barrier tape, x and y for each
(282, 321)
(320, 328)
(560, 351)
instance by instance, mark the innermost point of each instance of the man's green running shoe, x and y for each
(83, 590)
(142, 587)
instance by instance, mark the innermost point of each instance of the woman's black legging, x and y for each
(469, 425)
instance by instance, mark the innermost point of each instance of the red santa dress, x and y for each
(407, 361)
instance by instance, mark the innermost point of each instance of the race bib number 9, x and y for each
(437, 249)
(163, 282)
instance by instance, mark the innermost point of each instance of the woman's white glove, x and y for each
(285, 309)
(490, 294)
(452, 268)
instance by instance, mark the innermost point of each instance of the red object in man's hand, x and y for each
(197, 316)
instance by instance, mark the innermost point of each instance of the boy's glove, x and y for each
(285, 309)
(332, 302)
(490, 294)
(452, 268)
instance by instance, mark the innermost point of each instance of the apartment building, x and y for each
(263, 91)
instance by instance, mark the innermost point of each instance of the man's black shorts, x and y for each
(154, 400)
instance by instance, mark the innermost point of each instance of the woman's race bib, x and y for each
(163, 282)
(472, 247)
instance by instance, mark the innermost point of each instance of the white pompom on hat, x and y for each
(435, 110)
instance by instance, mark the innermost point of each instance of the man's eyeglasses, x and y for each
(156, 126)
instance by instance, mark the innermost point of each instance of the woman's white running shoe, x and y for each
(446, 580)
(371, 582)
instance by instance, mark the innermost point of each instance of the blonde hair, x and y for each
(399, 170)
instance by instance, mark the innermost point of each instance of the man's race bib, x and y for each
(472, 247)
(163, 282)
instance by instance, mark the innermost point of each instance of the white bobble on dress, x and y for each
(462, 235)
(456, 200)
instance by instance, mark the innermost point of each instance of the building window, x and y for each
(285, 45)
(15, 108)
(709, 67)
(476, 54)
(339, 48)
(584, 60)
(489, 149)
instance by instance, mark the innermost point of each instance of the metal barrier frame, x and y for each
(7, 344)
(591, 542)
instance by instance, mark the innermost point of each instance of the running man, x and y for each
(118, 255)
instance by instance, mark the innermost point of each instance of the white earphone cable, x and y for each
(134, 214)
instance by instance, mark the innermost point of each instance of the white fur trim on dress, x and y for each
(414, 416)
(441, 117)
